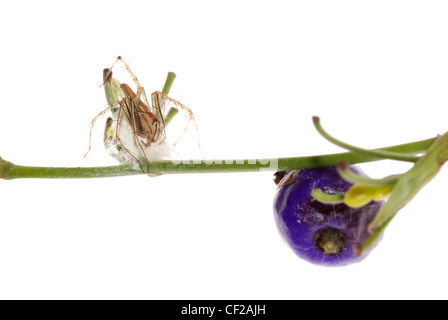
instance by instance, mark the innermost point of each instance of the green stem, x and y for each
(168, 82)
(9, 170)
(170, 115)
(383, 154)
(166, 90)
(348, 175)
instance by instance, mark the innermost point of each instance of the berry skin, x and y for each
(323, 234)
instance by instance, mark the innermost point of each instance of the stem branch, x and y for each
(382, 154)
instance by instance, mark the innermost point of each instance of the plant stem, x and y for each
(168, 82)
(166, 90)
(9, 170)
(348, 175)
(384, 154)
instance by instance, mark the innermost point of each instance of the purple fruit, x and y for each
(323, 234)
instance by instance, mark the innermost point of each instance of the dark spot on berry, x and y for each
(330, 241)
(283, 178)
(279, 176)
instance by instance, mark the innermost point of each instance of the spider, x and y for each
(136, 132)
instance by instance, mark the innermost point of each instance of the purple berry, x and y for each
(323, 234)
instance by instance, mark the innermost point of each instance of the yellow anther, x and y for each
(359, 195)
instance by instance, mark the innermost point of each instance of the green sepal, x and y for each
(327, 198)
(409, 183)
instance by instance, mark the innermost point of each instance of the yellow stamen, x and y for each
(359, 195)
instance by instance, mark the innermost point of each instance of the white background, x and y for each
(253, 72)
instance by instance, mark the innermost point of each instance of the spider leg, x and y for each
(187, 110)
(92, 124)
(140, 89)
